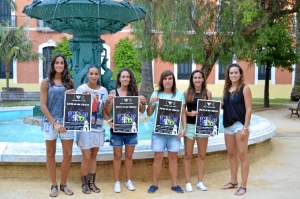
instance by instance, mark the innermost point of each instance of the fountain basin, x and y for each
(85, 18)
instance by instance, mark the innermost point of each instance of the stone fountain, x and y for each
(86, 20)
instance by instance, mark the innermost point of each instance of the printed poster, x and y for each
(126, 114)
(77, 112)
(208, 118)
(168, 116)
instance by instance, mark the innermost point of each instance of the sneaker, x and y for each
(129, 185)
(188, 187)
(152, 189)
(117, 187)
(177, 189)
(201, 186)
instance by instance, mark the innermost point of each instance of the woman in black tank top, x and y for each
(196, 90)
(237, 105)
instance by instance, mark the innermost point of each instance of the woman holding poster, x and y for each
(125, 86)
(160, 142)
(53, 90)
(90, 141)
(237, 105)
(196, 90)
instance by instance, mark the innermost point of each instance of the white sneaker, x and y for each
(188, 187)
(201, 186)
(129, 185)
(117, 187)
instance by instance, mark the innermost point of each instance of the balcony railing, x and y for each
(12, 19)
(41, 26)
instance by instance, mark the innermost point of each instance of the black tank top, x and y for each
(192, 106)
(234, 108)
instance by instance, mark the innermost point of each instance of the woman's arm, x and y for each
(151, 107)
(44, 100)
(248, 105)
(183, 120)
(142, 104)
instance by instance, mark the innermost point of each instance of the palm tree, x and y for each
(295, 95)
(15, 45)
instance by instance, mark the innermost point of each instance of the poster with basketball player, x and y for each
(126, 114)
(77, 112)
(208, 117)
(168, 116)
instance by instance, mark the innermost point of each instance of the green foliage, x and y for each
(206, 31)
(63, 47)
(15, 45)
(126, 56)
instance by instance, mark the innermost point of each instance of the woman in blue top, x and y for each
(160, 142)
(237, 105)
(53, 90)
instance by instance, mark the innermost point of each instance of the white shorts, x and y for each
(233, 129)
(89, 139)
(50, 133)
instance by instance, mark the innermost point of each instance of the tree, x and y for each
(208, 31)
(295, 95)
(126, 56)
(14, 44)
(274, 47)
(63, 47)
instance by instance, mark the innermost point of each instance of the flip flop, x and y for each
(230, 185)
(241, 191)
(66, 189)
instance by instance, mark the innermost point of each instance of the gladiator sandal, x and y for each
(91, 181)
(85, 185)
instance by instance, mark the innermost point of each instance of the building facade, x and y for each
(29, 75)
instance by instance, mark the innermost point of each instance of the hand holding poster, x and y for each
(168, 116)
(126, 114)
(207, 121)
(77, 112)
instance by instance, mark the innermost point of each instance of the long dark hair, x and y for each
(191, 89)
(65, 77)
(160, 85)
(132, 87)
(228, 82)
(95, 66)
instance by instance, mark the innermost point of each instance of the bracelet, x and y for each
(143, 103)
(246, 128)
(110, 120)
(53, 123)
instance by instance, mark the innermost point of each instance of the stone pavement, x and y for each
(275, 176)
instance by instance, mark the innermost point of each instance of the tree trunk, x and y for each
(295, 95)
(147, 80)
(266, 91)
(7, 71)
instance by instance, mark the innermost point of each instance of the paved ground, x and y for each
(275, 176)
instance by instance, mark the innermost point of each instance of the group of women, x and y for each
(236, 119)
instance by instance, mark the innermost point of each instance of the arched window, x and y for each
(184, 70)
(47, 51)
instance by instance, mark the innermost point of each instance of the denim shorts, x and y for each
(87, 140)
(50, 133)
(233, 129)
(160, 142)
(190, 132)
(117, 140)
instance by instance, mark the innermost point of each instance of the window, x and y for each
(222, 69)
(262, 72)
(2, 70)
(184, 70)
(5, 14)
(47, 51)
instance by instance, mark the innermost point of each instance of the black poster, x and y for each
(126, 114)
(168, 116)
(77, 113)
(208, 118)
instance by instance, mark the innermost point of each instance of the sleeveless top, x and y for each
(234, 108)
(192, 106)
(55, 102)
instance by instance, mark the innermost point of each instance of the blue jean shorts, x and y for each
(117, 140)
(233, 129)
(50, 133)
(87, 140)
(160, 142)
